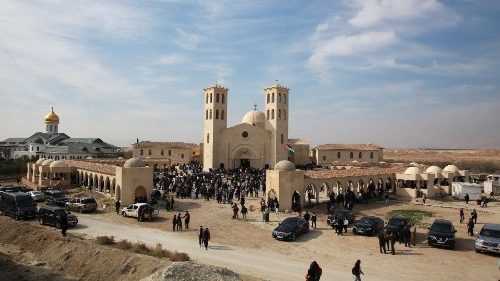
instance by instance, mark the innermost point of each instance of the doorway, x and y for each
(245, 163)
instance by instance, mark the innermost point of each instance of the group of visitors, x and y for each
(315, 271)
(472, 221)
(177, 221)
(203, 237)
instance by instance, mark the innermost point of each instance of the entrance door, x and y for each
(245, 163)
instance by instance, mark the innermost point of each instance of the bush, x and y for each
(140, 248)
(124, 245)
(176, 256)
(105, 240)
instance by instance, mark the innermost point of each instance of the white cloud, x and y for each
(171, 59)
(186, 40)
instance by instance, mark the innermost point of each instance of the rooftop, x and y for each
(365, 147)
(371, 171)
(146, 144)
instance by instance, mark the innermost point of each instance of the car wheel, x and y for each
(58, 225)
(123, 214)
(476, 250)
(79, 210)
(18, 218)
(293, 237)
(40, 220)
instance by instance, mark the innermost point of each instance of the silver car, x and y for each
(488, 239)
(82, 204)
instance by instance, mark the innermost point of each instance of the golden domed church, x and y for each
(260, 140)
(54, 145)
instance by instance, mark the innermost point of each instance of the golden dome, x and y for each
(51, 117)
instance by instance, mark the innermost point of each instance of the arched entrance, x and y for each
(118, 192)
(244, 156)
(140, 193)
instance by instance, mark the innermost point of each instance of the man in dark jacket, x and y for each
(117, 206)
(179, 222)
(407, 235)
(187, 218)
(393, 241)
(200, 235)
(307, 217)
(466, 198)
(470, 227)
(63, 222)
(381, 241)
(206, 238)
(174, 223)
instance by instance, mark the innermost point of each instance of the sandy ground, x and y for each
(340, 252)
(409, 155)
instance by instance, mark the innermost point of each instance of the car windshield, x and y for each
(24, 202)
(441, 227)
(57, 194)
(289, 222)
(59, 212)
(490, 233)
(367, 220)
(89, 200)
(397, 221)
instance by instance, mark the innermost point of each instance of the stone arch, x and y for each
(350, 185)
(96, 182)
(90, 181)
(118, 192)
(361, 185)
(107, 185)
(113, 187)
(101, 183)
(140, 192)
(339, 187)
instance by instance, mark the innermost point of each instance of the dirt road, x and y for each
(249, 262)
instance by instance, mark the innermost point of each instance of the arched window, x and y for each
(360, 155)
(162, 152)
(279, 98)
(268, 114)
(149, 152)
(206, 98)
(272, 98)
(208, 138)
(279, 114)
(338, 154)
(217, 98)
(210, 114)
(284, 98)
(351, 155)
(284, 114)
(223, 98)
(169, 152)
(371, 155)
(210, 97)
(272, 114)
(142, 152)
(268, 97)
(216, 114)
(182, 155)
(282, 139)
(222, 114)
(206, 114)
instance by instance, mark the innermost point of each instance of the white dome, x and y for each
(58, 164)
(254, 117)
(451, 168)
(47, 162)
(433, 170)
(134, 163)
(40, 161)
(413, 171)
(284, 165)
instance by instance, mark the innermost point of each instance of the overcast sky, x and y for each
(412, 73)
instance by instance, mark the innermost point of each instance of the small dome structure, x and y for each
(254, 117)
(134, 163)
(58, 164)
(51, 117)
(47, 162)
(433, 170)
(451, 169)
(40, 161)
(413, 171)
(284, 165)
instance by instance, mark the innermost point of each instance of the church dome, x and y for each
(58, 164)
(433, 170)
(254, 117)
(51, 117)
(284, 165)
(412, 171)
(47, 162)
(134, 163)
(451, 168)
(40, 161)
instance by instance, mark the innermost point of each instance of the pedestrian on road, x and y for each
(474, 215)
(200, 235)
(407, 235)
(187, 218)
(117, 207)
(307, 217)
(174, 223)
(346, 223)
(462, 215)
(314, 272)
(393, 241)
(63, 222)
(470, 227)
(381, 241)
(466, 198)
(179, 222)
(206, 238)
(244, 212)
(172, 203)
(313, 220)
(356, 271)
(414, 235)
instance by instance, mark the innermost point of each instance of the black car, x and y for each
(55, 198)
(368, 226)
(18, 205)
(50, 216)
(343, 214)
(441, 233)
(396, 222)
(290, 228)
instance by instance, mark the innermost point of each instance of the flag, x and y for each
(289, 148)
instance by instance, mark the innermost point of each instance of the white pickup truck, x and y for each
(133, 211)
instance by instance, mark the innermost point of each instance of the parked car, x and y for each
(368, 226)
(37, 196)
(133, 211)
(82, 204)
(343, 214)
(395, 223)
(488, 239)
(55, 198)
(50, 216)
(290, 228)
(17, 205)
(10, 189)
(441, 233)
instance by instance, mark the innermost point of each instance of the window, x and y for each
(182, 155)
(210, 97)
(351, 155)
(208, 138)
(268, 114)
(284, 114)
(169, 152)
(223, 98)
(216, 114)
(217, 98)
(149, 152)
(268, 97)
(282, 139)
(206, 114)
(371, 155)
(279, 98)
(338, 154)
(206, 98)
(37, 148)
(31, 148)
(222, 115)
(279, 114)
(284, 98)
(324, 157)
(210, 114)
(272, 114)
(162, 152)
(142, 152)
(272, 99)
(244, 134)
(360, 155)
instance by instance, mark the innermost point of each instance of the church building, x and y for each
(260, 140)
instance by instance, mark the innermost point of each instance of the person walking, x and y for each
(179, 222)
(340, 225)
(466, 198)
(276, 206)
(386, 197)
(474, 215)
(174, 223)
(462, 215)
(470, 227)
(171, 205)
(187, 218)
(345, 224)
(63, 222)
(307, 217)
(393, 242)
(356, 271)
(381, 241)
(413, 235)
(313, 220)
(407, 235)
(206, 237)
(314, 272)
(244, 212)
(200, 235)
(117, 207)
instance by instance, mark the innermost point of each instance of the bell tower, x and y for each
(215, 115)
(51, 122)
(276, 109)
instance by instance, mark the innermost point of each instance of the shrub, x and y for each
(140, 248)
(159, 252)
(123, 245)
(105, 240)
(176, 256)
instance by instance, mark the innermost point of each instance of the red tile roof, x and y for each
(365, 147)
(165, 144)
